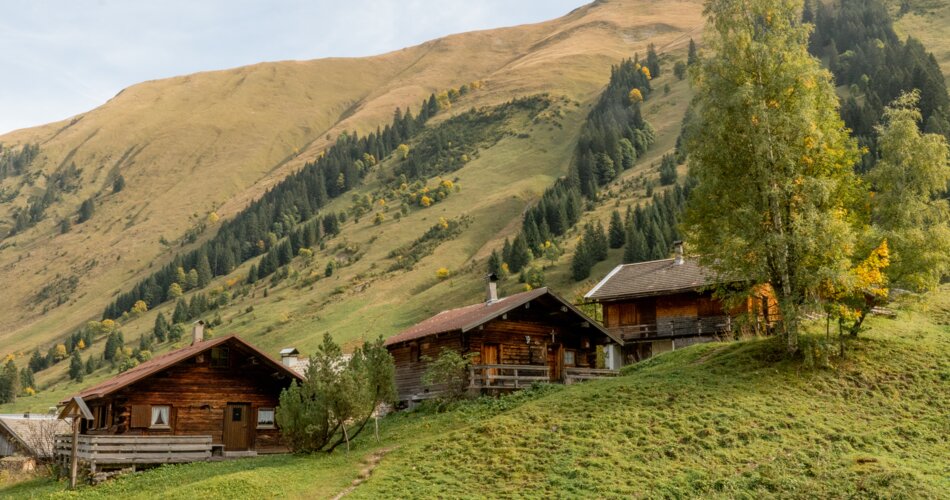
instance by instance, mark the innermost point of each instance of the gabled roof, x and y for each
(33, 432)
(467, 318)
(170, 359)
(657, 277)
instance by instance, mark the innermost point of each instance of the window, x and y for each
(265, 418)
(414, 353)
(160, 417)
(219, 357)
(569, 358)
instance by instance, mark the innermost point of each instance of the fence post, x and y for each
(74, 465)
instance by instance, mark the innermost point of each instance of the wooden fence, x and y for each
(507, 376)
(133, 450)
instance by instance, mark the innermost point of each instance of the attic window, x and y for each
(219, 357)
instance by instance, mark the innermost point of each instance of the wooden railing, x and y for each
(676, 327)
(507, 376)
(573, 375)
(131, 450)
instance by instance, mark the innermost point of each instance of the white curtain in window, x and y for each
(160, 415)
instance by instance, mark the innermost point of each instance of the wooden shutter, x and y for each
(141, 415)
(628, 314)
(613, 314)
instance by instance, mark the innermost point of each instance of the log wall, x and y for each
(198, 395)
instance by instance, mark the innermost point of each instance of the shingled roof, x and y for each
(657, 277)
(168, 360)
(467, 318)
(33, 433)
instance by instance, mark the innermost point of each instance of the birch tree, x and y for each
(772, 157)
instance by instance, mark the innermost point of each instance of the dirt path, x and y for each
(370, 462)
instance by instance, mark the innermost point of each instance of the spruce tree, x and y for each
(76, 369)
(692, 56)
(9, 382)
(494, 263)
(181, 313)
(598, 242)
(118, 184)
(520, 255)
(582, 262)
(204, 271)
(160, 330)
(616, 230)
(26, 378)
(252, 274)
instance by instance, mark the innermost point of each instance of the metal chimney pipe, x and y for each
(678, 247)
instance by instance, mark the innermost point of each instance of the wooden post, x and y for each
(74, 459)
(377, 428)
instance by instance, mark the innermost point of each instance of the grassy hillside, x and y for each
(191, 145)
(364, 299)
(712, 420)
(928, 21)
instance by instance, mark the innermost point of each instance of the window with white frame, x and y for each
(569, 358)
(160, 417)
(265, 418)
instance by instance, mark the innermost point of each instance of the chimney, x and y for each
(678, 248)
(492, 279)
(197, 332)
(288, 356)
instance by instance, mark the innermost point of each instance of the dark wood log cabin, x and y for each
(224, 388)
(662, 305)
(516, 340)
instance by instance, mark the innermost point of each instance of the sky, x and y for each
(59, 58)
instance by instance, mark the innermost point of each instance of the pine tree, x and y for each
(582, 262)
(160, 330)
(692, 56)
(616, 230)
(180, 315)
(252, 274)
(494, 263)
(9, 382)
(26, 378)
(204, 271)
(653, 61)
(118, 184)
(520, 255)
(76, 369)
(86, 210)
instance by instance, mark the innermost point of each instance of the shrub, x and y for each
(448, 373)
(338, 398)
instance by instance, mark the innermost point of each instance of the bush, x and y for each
(448, 373)
(338, 398)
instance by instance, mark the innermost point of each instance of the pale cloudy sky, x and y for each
(59, 58)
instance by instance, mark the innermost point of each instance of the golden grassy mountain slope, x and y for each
(212, 141)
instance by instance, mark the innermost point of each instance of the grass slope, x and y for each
(362, 300)
(213, 141)
(712, 420)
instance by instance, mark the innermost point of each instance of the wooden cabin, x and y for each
(215, 396)
(662, 305)
(535, 336)
(29, 435)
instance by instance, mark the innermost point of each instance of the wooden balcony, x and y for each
(521, 376)
(668, 328)
(507, 376)
(122, 450)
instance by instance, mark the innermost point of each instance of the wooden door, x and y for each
(556, 362)
(490, 356)
(236, 419)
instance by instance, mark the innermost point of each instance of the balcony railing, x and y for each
(521, 376)
(507, 376)
(123, 449)
(676, 327)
